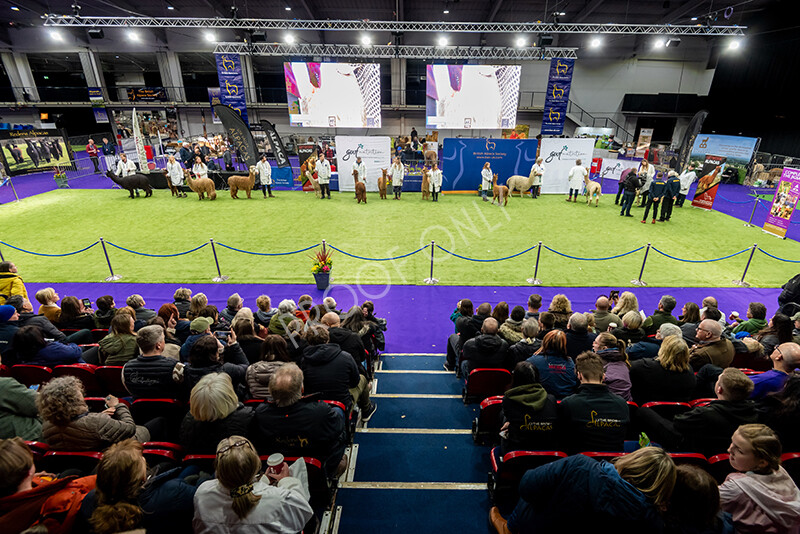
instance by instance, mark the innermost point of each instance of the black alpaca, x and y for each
(32, 152)
(134, 181)
(44, 151)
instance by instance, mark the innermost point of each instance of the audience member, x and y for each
(695, 505)
(781, 411)
(711, 347)
(556, 369)
(547, 323)
(616, 366)
(273, 355)
(355, 321)
(48, 297)
(779, 330)
(529, 412)
(528, 345)
(579, 339)
(534, 303)
(119, 346)
(151, 375)
(197, 304)
(462, 319)
(295, 340)
(785, 359)
(74, 315)
(689, 330)
(487, 350)
(330, 305)
(176, 330)
(182, 300)
(243, 326)
(666, 378)
(590, 324)
(304, 305)
(368, 307)
(285, 315)
(648, 346)
(18, 414)
(10, 282)
(235, 303)
(561, 308)
(8, 329)
(106, 308)
(136, 302)
(711, 302)
(209, 355)
(627, 303)
(662, 315)
(756, 319)
(265, 311)
(217, 321)
(198, 328)
(511, 329)
(28, 318)
(602, 314)
(32, 348)
(630, 331)
(349, 341)
(500, 312)
(690, 314)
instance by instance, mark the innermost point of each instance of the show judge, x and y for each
(324, 176)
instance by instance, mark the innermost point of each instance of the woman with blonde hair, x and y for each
(561, 308)
(630, 331)
(196, 306)
(627, 302)
(239, 500)
(615, 364)
(665, 378)
(247, 333)
(48, 297)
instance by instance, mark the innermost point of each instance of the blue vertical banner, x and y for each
(231, 83)
(557, 97)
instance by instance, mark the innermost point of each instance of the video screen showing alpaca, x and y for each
(29, 151)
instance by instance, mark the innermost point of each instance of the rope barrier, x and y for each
(592, 259)
(701, 261)
(777, 258)
(267, 253)
(49, 255)
(735, 201)
(486, 261)
(766, 206)
(156, 255)
(378, 259)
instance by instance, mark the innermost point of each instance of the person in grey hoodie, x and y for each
(265, 311)
(530, 413)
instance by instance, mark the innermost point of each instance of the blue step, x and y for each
(427, 363)
(419, 383)
(422, 413)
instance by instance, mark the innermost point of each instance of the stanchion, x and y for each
(639, 281)
(2, 258)
(749, 222)
(742, 282)
(535, 280)
(431, 280)
(113, 276)
(219, 277)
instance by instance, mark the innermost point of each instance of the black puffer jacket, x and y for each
(202, 437)
(328, 370)
(486, 351)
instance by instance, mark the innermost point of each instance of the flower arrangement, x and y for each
(322, 262)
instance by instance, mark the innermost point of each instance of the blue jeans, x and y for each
(627, 202)
(483, 193)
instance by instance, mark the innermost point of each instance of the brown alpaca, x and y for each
(361, 189)
(201, 186)
(382, 183)
(304, 170)
(431, 157)
(175, 191)
(426, 185)
(245, 183)
(499, 192)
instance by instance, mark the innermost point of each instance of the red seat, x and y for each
(69, 331)
(603, 455)
(750, 372)
(60, 461)
(701, 402)
(354, 415)
(205, 461)
(791, 462)
(98, 404)
(508, 471)
(144, 410)
(83, 372)
(482, 383)
(99, 333)
(5, 370)
(38, 448)
(486, 427)
(157, 456)
(719, 466)
(668, 410)
(168, 445)
(110, 377)
(254, 402)
(689, 458)
(748, 360)
(31, 374)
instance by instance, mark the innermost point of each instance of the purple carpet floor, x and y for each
(418, 316)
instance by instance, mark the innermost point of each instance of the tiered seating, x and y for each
(31, 375)
(83, 372)
(486, 426)
(482, 383)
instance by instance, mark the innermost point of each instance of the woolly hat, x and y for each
(6, 312)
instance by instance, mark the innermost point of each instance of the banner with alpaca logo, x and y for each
(557, 96)
(231, 83)
(463, 159)
(783, 204)
(708, 184)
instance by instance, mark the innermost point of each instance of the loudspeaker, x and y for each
(259, 36)
(96, 33)
(545, 39)
(673, 42)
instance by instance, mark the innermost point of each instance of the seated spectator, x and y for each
(781, 411)
(593, 419)
(69, 426)
(561, 308)
(349, 341)
(48, 297)
(796, 329)
(556, 369)
(273, 355)
(366, 330)
(217, 321)
(690, 314)
(616, 366)
(24, 493)
(627, 302)
(456, 314)
(129, 496)
(648, 346)
(243, 325)
(756, 319)
(666, 378)
(778, 331)
(256, 505)
(463, 327)
(689, 330)
(590, 325)
(785, 359)
(18, 414)
(208, 355)
(119, 346)
(529, 412)
(547, 322)
(579, 339)
(235, 303)
(196, 306)
(534, 303)
(662, 315)
(151, 375)
(368, 307)
(330, 305)
(705, 429)
(197, 328)
(295, 426)
(334, 374)
(74, 315)
(215, 413)
(487, 350)
(49, 330)
(711, 347)
(760, 495)
(711, 303)
(265, 311)
(630, 331)
(10, 282)
(500, 312)
(31, 348)
(8, 329)
(695, 506)
(182, 300)
(285, 315)
(295, 340)
(304, 305)
(176, 331)
(603, 316)
(511, 330)
(562, 496)
(137, 303)
(528, 345)
(106, 308)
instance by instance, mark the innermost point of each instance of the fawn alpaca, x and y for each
(426, 184)
(382, 183)
(245, 183)
(200, 186)
(499, 192)
(592, 190)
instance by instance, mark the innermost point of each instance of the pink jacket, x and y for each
(762, 503)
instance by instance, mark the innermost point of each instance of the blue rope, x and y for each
(49, 255)
(701, 261)
(777, 258)
(267, 253)
(156, 255)
(378, 259)
(768, 206)
(486, 261)
(735, 201)
(592, 259)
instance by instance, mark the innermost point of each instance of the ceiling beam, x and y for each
(215, 8)
(494, 10)
(312, 16)
(681, 11)
(588, 9)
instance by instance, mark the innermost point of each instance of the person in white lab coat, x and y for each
(397, 171)
(486, 181)
(175, 176)
(577, 174)
(264, 172)
(324, 176)
(436, 182)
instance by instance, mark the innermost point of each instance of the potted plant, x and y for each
(61, 179)
(321, 268)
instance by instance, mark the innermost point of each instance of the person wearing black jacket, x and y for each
(487, 350)
(579, 339)
(208, 355)
(671, 193)
(348, 341)
(530, 343)
(530, 413)
(463, 313)
(467, 328)
(657, 189)
(631, 183)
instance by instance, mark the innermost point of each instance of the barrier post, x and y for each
(742, 282)
(535, 280)
(219, 277)
(323, 247)
(2, 258)
(639, 281)
(431, 280)
(749, 222)
(113, 276)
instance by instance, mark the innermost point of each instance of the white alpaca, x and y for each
(593, 189)
(522, 183)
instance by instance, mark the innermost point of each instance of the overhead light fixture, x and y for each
(210, 37)
(170, 8)
(446, 11)
(289, 38)
(595, 42)
(76, 9)
(442, 41)
(56, 35)
(287, 8)
(14, 8)
(658, 43)
(735, 44)
(520, 42)
(694, 18)
(366, 41)
(133, 36)
(259, 36)
(673, 42)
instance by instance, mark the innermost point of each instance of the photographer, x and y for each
(209, 355)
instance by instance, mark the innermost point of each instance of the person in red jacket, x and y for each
(93, 152)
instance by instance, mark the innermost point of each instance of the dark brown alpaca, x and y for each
(361, 189)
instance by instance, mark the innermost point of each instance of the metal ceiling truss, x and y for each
(392, 26)
(399, 51)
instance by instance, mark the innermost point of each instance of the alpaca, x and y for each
(132, 182)
(245, 183)
(309, 175)
(426, 184)
(593, 189)
(201, 186)
(382, 183)
(361, 189)
(523, 183)
(499, 192)
(431, 157)
(173, 189)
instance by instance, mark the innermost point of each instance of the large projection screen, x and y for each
(472, 96)
(334, 95)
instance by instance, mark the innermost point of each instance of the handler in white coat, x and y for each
(537, 171)
(647, 172)
(576, 180)
(687, 178)
(264, 176)
(486, 181)
(175, 175)
(397, 172)
(436, 182)
(324, 176)
(125, 167)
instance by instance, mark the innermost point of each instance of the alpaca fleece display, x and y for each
(134, 181)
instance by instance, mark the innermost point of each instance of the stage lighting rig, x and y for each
(76, 9)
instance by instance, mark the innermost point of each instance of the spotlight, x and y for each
(520, 42)
(170, 8)
(658, 43)
(596, 42)
(442, 41)
(56, 35)
(694, 19)
(96, 33)
(287, 8)
(289, 38)
(446, 11)
(133, 36)
(673, 42)
(76, 9)
(234, 12)
(366, 41)
(734, 45)
(14, 8)
(210, 37)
